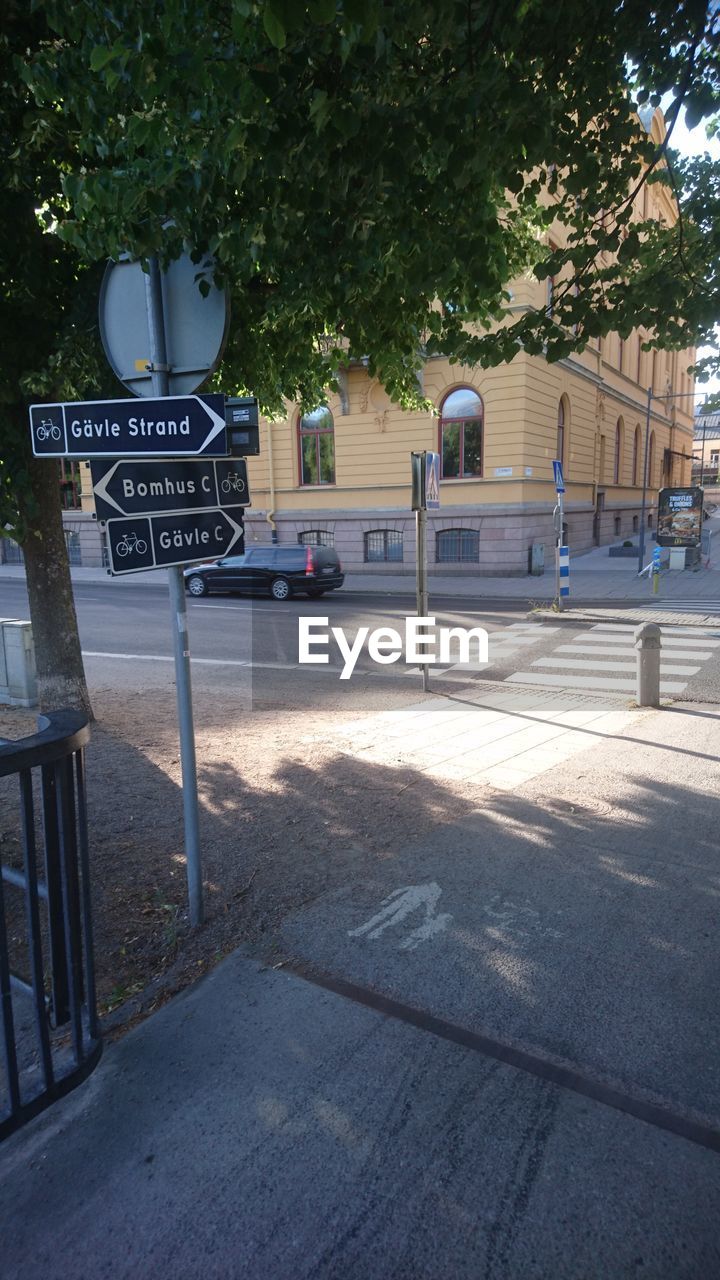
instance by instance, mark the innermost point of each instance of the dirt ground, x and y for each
(285, 816)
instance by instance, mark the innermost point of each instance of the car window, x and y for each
(291, 557)
(233, 562)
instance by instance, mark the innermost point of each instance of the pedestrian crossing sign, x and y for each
(558, 472)
(432, 481)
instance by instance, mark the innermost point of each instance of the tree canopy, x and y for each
(372, 175)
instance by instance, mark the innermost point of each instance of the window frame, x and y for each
(461, 423)
(618, 458)
(304, 433)
(323, 533)
(460, 533)
(561, 433)
(637, 450)
(385, 535)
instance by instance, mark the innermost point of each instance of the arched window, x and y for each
(316, 538)
(651, 461)
(383, 545)
(316, 434)
(461, 434)
(453, 546)
(636, 457)
(617, 469)
(562, 425)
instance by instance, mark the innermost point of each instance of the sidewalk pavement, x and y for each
(493, 1053)
(593, 576)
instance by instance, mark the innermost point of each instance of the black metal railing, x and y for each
(49, 1030)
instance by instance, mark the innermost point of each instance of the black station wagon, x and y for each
(278, 571)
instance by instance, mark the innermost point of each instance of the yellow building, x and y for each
(342, 474)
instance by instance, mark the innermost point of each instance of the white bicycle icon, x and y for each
(130, 542)
(233, 481)
(48, 430)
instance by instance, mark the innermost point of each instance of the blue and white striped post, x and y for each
(564, 564)
(562, 553)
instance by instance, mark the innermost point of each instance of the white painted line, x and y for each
(578, 664)
(692, 655)
(589, 682)
(162, 657)
(683, 641)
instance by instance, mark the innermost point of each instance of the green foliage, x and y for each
(48, 296)
(370, 177)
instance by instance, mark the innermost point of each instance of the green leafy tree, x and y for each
(371, 176)
(49, 350)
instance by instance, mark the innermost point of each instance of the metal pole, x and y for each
(178, 608)
(702, 460)
(641, 547)
(421, 582)
(560, 543)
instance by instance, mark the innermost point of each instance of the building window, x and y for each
(12, 551)
(561, 424)
(317, 447)
(651, 460)
(635, 524)
(70, 486)
(383, 545)
(461, 434)
(618, 526)
(617, 469)
(453, 546)
(316, 538)
(72, 540)
(636, 457)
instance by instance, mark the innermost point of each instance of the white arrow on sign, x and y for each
(402, 903)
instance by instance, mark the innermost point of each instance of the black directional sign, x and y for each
(184, 537)
(168, 426)
(149, 488)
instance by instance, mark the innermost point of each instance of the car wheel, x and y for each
(280, 589)
(314, 592)
(196, 585)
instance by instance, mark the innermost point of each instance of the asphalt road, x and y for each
(126, 637)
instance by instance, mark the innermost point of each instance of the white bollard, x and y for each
(647, 648)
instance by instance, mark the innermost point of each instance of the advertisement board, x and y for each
(679, 522)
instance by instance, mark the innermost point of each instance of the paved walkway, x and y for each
(493, 1053)
(594, 577)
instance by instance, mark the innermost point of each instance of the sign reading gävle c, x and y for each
(168, 426)
(181, 537)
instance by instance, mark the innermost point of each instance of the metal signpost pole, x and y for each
(560, 545)
(418, 464)
(422, 586)
(181, 644)
(561, 559)
(641, 550)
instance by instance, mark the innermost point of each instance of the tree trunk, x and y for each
(58, 657)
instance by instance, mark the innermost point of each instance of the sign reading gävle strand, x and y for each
(156, 542)
(168, 426)
(128, 488)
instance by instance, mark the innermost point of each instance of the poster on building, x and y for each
(679, 520)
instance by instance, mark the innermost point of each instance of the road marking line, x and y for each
(579, 664)
(581, 682)
(689, 655)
